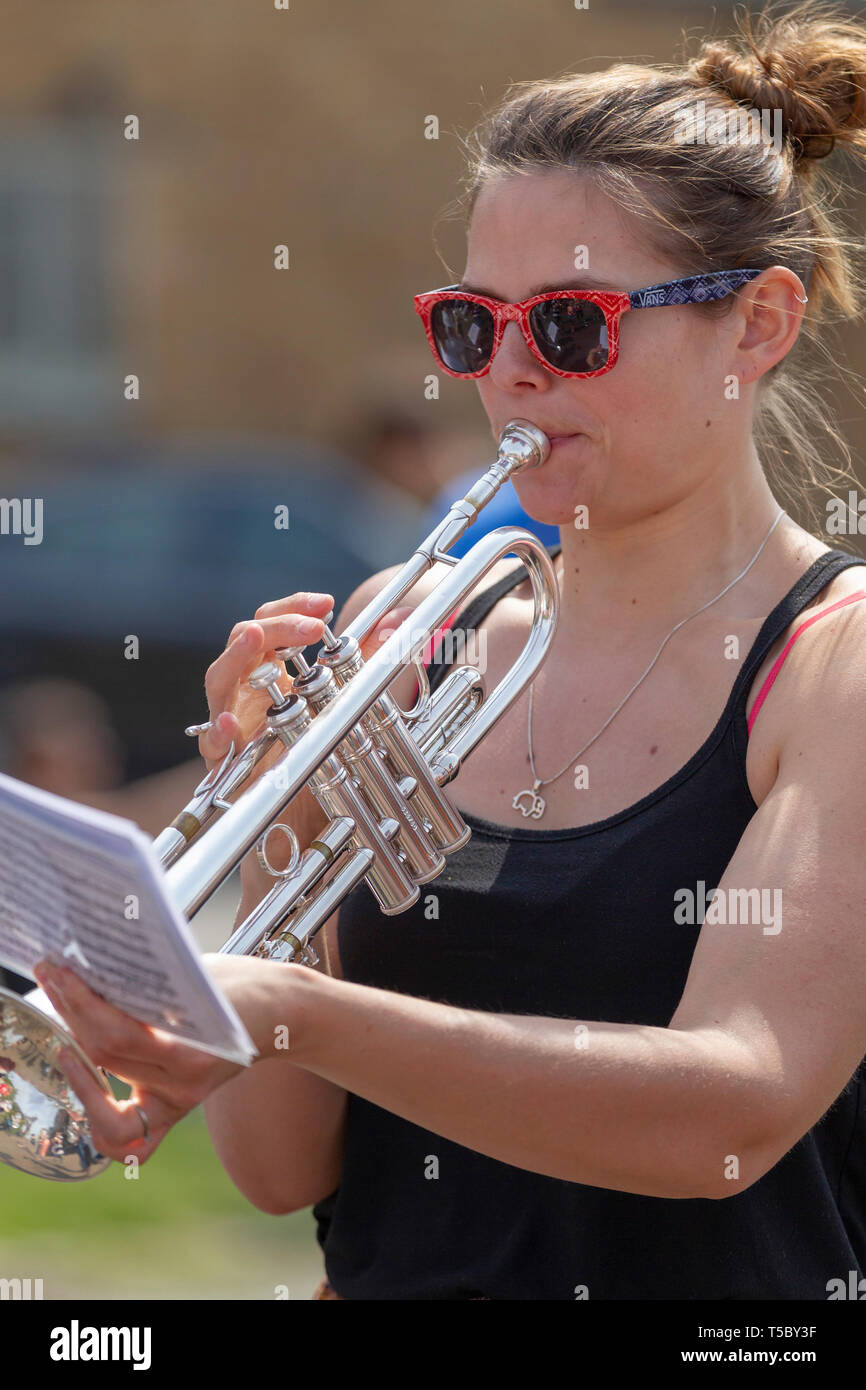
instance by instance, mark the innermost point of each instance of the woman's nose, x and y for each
(514, 362)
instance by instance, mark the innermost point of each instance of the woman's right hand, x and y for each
(237, 712)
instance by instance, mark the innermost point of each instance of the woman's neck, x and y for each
(659, 568)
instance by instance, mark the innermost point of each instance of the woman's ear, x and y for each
(772, 307)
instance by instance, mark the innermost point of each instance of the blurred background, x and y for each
(255, 390)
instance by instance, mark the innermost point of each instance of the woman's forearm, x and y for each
(655, 1111)
(277, 1130)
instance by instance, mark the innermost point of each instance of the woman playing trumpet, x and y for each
(567, 1072)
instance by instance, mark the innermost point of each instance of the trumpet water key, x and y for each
(378, 772)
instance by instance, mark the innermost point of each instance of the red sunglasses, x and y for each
(573, 333)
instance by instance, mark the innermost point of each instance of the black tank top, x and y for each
(579, 924)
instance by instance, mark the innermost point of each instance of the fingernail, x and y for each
(309, 627)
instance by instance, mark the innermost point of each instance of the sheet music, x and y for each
(84, 888)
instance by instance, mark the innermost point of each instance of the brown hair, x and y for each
(734, 202)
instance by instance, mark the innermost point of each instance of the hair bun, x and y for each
(809, 64)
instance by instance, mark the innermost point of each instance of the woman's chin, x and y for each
(548, 493)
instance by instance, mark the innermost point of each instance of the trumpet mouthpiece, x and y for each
(523, 445)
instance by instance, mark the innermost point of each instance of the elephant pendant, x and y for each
(529, 803)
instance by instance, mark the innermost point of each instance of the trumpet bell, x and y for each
(42, 1123)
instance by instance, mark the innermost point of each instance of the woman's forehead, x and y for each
(542, 199)
(548, 230)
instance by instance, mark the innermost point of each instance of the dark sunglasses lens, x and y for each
(571, 334)
(463, 333)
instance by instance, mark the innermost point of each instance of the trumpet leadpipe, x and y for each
(521, 445)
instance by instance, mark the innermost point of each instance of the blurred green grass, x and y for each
(180, 1229)
(184, 1174)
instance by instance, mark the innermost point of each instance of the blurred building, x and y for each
(258, 127)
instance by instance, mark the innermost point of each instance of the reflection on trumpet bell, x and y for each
(43, 1129)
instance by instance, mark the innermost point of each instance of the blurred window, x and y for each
(55, 330)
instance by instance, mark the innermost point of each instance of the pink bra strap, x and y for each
(431, 647)
(777, 664)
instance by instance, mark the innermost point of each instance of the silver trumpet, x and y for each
(376, 770)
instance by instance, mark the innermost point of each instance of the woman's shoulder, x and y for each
(846, 582)
(805, 550)
(824, 659)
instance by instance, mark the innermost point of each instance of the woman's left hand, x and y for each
(168, 1078)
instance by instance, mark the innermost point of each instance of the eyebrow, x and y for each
(584, 282)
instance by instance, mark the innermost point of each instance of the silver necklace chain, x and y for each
(534, 805)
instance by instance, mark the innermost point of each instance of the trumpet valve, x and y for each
(267, 677)
(331, 643)
(295, 656)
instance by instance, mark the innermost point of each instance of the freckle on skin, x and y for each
(707, 426)
(654, 749)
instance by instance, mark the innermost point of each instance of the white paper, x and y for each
(85, 889)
